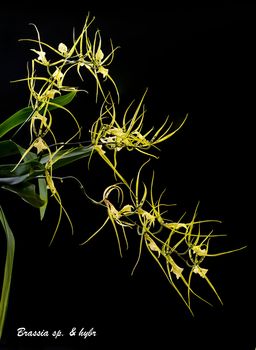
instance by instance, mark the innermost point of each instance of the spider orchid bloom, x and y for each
(89, 54)
(58, 77)
(199, 251)
(41, 54)
(176, 270)
(98, 61)
(147, 218)
(40, 145)
(42, 93)
(50, 94)
(126, 210)
(162, 249)
(62, 48)
(41, 57)
(103, 71)
(83, 53)
(200, 271)
(43, 124)
(53, 158)
(151, 244)
(109, 133)
(115, 136)
(176, 226)
(52, 188)
(117, 217)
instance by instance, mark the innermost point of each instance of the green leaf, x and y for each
(27, 192)
(25, 171)
(24, 114)
(62, 100)
(65, 157)
(43, 193)
(29, 156)
(13, 180)
(10, 249)
(22, 168)
(15, 120)
(8, 148)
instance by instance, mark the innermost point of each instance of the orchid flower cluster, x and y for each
(84, 53)
(177, 246)
(108, 133)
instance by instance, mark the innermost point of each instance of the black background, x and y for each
(193, 59)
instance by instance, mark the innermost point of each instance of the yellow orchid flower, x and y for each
(177, 246)
(182, 239)
(176, 226)
(62, 48)
(40, 145)
(41, 56)
(85, 52)
(108, 133)
(152, 245)
(117, 217)
(177, 270)
(201, 271)
(199, 251)
(58, 77)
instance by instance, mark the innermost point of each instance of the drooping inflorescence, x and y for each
(180, 247)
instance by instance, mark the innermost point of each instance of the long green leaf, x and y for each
(15, 120)
(10, 244)
(8, 148)
(23, 114)
(66, 157)
(27, 192)
(62, 100)
(30, 169)
(6, 170)
(43, 193)
(25, 171)
(13, 180)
